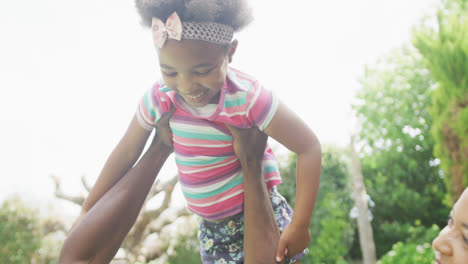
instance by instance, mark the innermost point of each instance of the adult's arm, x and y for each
(122, 158)
(261, 233)
(99, 234)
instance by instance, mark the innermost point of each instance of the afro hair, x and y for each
(234, 13)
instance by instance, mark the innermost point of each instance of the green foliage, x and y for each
(186, 250)
(331, 228)
(408, 254)
(445, 51)
(332, 234)
(417, 249)
(19, 232)
(399, 169)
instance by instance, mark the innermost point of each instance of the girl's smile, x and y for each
(195, 70)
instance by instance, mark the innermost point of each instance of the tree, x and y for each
(149, 224)
(332, 230)
(366, 235)
(19, 232)
(445, 52)
(401, 174)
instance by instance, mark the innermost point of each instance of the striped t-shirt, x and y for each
(210, 174)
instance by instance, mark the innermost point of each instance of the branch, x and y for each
(78, 199)
(168, 187)
(157, 187)
(51, 226)
(154, 190)
(86, 184)
(141, 228)
(168, 184)
(156, 228)
(157, 249)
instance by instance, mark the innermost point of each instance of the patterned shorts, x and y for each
(223, 242)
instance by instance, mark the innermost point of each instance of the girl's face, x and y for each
(452, 243)
(195, 69)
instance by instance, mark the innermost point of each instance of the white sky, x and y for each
(71, 73)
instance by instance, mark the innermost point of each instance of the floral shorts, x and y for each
(223, 242)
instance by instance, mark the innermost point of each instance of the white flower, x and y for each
(419, 249)
(209, 244)
(233, 248)
(221, 261)
(285, 214)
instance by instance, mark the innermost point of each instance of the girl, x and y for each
(451, 244)
(100, 233)
(194, 43)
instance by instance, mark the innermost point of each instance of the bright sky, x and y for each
(71, 73)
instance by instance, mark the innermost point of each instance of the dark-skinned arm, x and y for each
(296, 236)
(261, 233)
(98, 236)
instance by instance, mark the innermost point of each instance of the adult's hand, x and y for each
(249, 144)
(163, 134)
(261, 234)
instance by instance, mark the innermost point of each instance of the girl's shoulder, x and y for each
(240, 81)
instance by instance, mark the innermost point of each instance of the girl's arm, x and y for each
(99, 235)
(119, 162)
(291, 131)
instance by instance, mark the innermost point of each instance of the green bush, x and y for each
(410, 253)
(19, 232)
(400, 171)
(417, 249)
(331, 235)
(332, 230)
(444, 48)
(185, 250)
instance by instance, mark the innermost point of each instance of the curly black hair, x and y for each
(234, 13)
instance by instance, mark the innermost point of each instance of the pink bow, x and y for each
(161, 31)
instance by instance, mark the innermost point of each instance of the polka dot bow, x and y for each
(171, 29)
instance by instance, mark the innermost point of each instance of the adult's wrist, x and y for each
(252, 170)
(160, 147)
(247, 163)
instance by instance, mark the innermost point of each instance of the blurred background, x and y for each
(390, 74)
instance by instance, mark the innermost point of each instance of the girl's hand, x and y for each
(293, 240)
(163, 135)
(249, 144)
